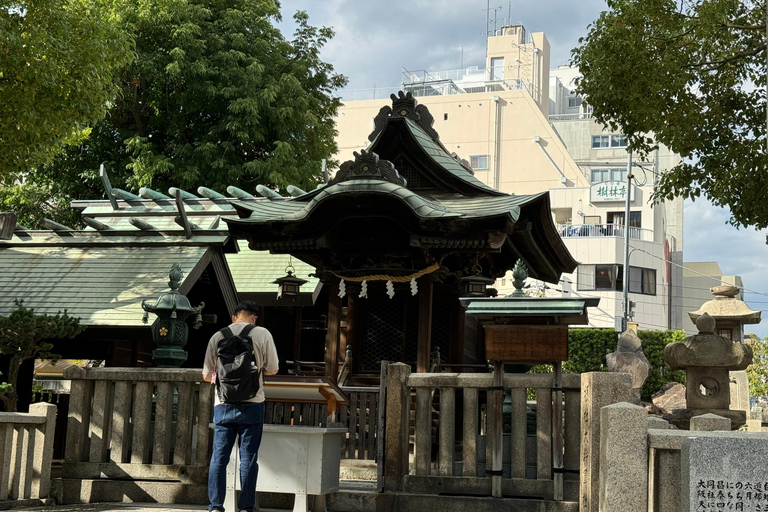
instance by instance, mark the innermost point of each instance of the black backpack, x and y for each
(237, 371)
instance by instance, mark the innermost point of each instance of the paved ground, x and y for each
(125, 507)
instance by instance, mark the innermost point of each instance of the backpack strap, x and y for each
(226, 333)
(246, 330)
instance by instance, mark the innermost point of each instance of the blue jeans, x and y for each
(230, 420)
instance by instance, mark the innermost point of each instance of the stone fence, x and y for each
(644, 465)
(26, 450)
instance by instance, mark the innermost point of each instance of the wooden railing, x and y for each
(121, 419)
(457, 459)
(26, 451)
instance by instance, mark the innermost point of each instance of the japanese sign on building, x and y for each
(610, 191)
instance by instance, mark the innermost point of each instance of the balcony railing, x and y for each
(441, 83)
(570, 117)
(603, 230)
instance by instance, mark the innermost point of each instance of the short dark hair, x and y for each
(248, 306)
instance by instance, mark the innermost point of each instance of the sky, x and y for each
(376, 40)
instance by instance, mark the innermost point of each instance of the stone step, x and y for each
(355, 497)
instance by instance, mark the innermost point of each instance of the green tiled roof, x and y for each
(296, 210)
(440, 155)
(102, 285)
(528, 306)
(254, 271)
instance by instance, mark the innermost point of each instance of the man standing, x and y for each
(245, 419)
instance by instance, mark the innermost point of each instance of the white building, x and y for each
(523, 131)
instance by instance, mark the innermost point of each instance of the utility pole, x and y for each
(626, 239)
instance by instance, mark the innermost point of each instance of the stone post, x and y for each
(598, 389)
(41, 463)
(755, 421)
(397, 419)
(710, 423)
(739, 390)
(623, 458)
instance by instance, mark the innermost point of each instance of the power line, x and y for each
(695, 271)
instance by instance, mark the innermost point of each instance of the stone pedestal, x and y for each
(598, 389)
(623, 458)
(710, 423)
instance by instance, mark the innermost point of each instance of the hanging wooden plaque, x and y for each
(531, 344)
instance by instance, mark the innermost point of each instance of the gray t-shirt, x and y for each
(264, 347)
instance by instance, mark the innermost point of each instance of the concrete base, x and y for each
(11, 504)
(359, 499)
(352, 469)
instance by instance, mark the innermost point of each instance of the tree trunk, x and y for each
(10, 399)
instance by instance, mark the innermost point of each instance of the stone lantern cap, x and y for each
(706, 349)
(725, 305)
(172, 300)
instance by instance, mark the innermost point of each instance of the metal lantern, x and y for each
(289, 285)
(475, 285)
(170, 331)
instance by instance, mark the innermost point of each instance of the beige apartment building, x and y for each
(523, 131)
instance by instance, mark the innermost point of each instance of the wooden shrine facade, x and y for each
(397, 236)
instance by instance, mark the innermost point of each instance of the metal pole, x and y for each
(626, 240)
(498, 428)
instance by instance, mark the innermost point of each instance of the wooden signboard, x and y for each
(531, 344)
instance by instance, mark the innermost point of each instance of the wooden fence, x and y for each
(26, 450)
(454, 438)
(123, 419)
(360, 416)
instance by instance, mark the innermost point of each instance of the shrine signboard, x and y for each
(725, 473)
(530, 344)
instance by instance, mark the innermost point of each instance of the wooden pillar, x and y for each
(262, 316)
(332, 337)
(425, 325)
(297, 333)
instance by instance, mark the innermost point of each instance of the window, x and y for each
(598, 277)
(574, 101)
(601, 141)
(618, 141)
(609, 141)
(617, 218)
(478, 162)
(725, 333)
(642, 280)
(603, 175)
(611, 277)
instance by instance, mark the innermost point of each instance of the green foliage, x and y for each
(24, 335)
(5, 388)
(57, 74)
(588, 348)
(757, 372)
(215, 97)
(653, 348)
(693, 74)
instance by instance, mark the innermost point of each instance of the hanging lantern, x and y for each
(475, 285)
(289, 285)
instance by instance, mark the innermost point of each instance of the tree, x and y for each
(758, 370)
(25, 335)
(216, 97)
(56, 75)
(691, 74)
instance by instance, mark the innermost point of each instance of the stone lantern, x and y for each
(707, 358)
(730, 313)
(170, 330)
